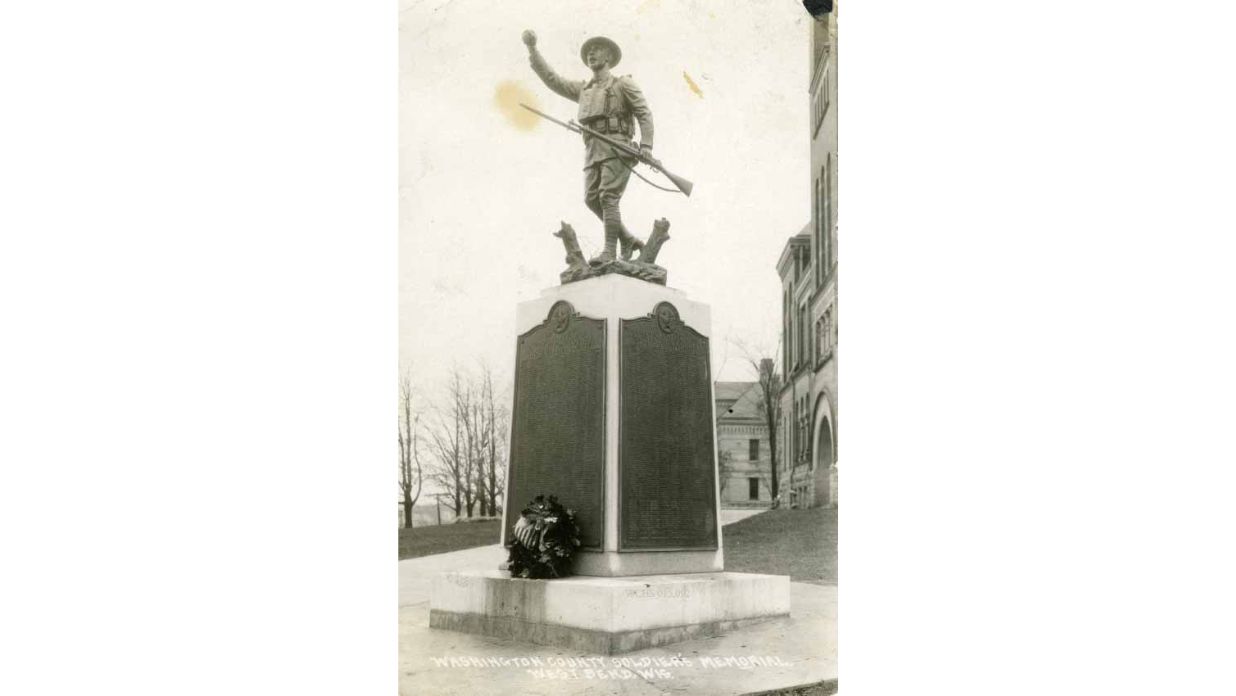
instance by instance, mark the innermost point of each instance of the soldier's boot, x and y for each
(611, 241)
(628, 243)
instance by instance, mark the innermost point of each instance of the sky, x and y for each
(482, 186)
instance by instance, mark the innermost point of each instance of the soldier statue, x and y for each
(609, 105)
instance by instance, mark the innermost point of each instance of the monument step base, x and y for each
(605, 615)
(583, 640)
(639, 563)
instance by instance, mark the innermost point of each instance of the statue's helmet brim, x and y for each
(603, 41)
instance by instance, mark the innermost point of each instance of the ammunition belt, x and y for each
(610, 124)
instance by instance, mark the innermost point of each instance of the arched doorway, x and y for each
(823, 455)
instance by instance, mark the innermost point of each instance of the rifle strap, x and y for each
(646, 181)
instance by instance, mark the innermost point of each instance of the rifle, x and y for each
(679, 182)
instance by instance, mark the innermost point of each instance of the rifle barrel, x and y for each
(681, 183)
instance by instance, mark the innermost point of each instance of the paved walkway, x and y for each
(732, 516)
(793, 651)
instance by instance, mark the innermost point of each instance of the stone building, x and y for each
(808, 270)
(743, 453)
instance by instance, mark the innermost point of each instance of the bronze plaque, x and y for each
(558, 421)
(666, 472)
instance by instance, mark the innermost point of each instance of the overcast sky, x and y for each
(482, 187)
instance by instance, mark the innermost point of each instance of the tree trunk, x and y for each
(772, 453)
(659, 236)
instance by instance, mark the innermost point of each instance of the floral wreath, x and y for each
(544, 540)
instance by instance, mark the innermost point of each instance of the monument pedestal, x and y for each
(614, 415)
(605, 615)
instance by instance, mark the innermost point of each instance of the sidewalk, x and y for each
(793, 651)
(732, 516)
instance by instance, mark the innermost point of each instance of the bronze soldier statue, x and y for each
(609, 105)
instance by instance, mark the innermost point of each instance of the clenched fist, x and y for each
(529, 38)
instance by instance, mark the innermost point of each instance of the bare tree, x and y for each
(495, 435)
(769, 384)
(410, 472)
(467, 441)
(468, 410)
(446, 437)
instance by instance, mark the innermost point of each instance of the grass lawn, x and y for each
(423, 541)
(799, 543)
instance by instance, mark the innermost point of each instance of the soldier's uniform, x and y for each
(609, 105)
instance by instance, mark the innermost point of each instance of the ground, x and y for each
(798, 543)
(824, 688)
(423, 541)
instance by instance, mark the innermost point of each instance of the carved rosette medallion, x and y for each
(667, 317)
(560, 315)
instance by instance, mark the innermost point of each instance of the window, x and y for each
(825, 336)
(820, 101)
(825, 93)
(832, 318)
(819, 41)
(753, 489)
(787, 330)
(816, 212)
(828, 329)
(790, 435)
(807, 431)
(804, 346)
(821, 347)
(821, 230)
(753, 449)
(803, 450)
(830, 211)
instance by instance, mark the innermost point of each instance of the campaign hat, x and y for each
(604, 41)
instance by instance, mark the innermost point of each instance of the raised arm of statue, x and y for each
(558, 84)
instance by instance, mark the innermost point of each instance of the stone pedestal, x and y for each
(614, 415)
(605, 615)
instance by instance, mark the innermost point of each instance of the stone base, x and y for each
(650, 272)
(614, 564)
(605, 615)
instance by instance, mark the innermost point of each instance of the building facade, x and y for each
(808, 270)
(743, 453)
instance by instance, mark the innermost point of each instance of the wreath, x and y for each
(544, 540)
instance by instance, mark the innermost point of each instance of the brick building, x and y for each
(808, 270)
